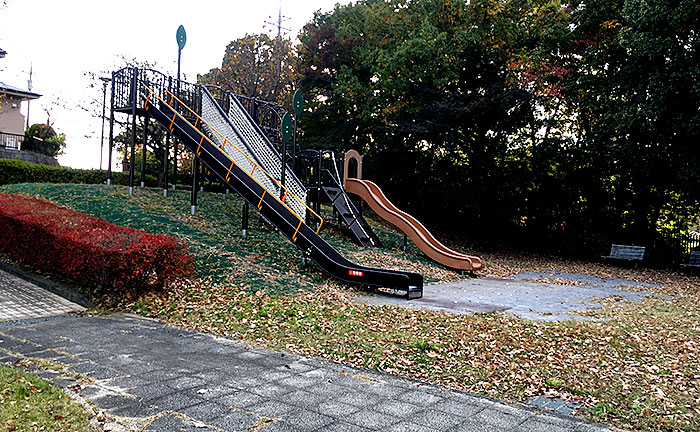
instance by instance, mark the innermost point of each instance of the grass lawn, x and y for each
(637, 369)
(28, 403)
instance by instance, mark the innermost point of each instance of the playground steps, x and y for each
(352, 218)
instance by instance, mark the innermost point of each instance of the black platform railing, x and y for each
(160, 84)
(123, 97)
(267, 115)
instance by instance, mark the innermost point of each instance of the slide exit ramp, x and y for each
(150, 94)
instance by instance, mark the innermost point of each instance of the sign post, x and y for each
(287, 130)
(298, 103)
(181, 38)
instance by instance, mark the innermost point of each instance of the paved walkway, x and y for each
(21, 300)
(153, 377)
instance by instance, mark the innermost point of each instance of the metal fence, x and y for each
(10, 140)
(674, 248)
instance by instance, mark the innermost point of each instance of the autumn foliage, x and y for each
(559, 126)
(102, 257)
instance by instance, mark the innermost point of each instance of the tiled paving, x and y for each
(20, 300)
(167, 379)
(148, 376)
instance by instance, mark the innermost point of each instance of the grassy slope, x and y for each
(264, 260)
(29, 403)
(638, 371)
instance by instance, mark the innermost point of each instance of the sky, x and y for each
(63, 40)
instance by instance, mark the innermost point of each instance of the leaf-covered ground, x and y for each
(637, 369)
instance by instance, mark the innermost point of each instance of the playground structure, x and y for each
(238, 138)
(228, 141)
(419, 235)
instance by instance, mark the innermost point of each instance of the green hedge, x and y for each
(16, 171)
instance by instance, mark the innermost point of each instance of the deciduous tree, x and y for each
(256, 66)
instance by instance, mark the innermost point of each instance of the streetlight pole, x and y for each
(111, 134)
(105, 80)
(29, 87)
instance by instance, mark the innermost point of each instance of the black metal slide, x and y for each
(272, 207)
(351, 217)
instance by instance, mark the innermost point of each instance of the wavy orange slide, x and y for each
(418, 234)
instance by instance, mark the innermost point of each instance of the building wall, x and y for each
(11, 119)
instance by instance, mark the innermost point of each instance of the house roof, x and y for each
(17, 92)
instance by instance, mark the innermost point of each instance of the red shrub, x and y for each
(99, 255)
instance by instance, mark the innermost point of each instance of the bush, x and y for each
(102, 257)
(16, 171)
(42, 138)
(50, 147)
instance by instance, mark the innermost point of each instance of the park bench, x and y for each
(626, 253)
(693, 261)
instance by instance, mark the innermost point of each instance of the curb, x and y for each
(53, 287)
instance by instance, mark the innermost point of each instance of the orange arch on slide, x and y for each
(350, 155)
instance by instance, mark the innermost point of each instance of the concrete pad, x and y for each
(521, 296)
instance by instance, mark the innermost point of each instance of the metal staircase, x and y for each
(257, 142)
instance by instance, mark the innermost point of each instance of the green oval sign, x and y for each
(298, 102)
(287, 127)
(181, 37)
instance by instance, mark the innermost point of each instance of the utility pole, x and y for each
(278, 24)
(30, 86)
(279, 49)
(278, 43)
